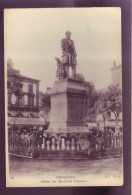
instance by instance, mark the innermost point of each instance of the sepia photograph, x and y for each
(63, 97)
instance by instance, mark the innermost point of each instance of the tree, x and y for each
(114, 102)
(14, 84)
(91, 98)
(45, 108)
(101, 106)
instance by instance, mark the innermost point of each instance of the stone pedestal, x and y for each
(68, 99)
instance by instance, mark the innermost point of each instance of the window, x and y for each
(20, 101)
(30, 87)
(30, 97)
(31, 101)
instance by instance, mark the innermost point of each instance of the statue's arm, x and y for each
(75, 53)
(63, 45)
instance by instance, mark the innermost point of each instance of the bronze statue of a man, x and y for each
(69, 54)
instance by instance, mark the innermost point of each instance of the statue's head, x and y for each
(68, 34)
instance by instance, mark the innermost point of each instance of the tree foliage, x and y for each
(101, 106)
(45, 108)
(14, 83)
(14, 86)
(114, 101)
(109, 101)
(46, 102)
(91, 98)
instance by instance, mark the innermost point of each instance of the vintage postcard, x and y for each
(63, 94)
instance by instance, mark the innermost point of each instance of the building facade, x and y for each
(26, 103)
(116, 75)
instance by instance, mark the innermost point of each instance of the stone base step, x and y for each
(82, 154)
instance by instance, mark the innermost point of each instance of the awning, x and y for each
(25, 121)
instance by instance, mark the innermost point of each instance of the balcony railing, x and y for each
(23, 107)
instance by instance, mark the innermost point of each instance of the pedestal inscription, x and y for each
(67, 115)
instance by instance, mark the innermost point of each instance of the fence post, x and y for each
(34, 144)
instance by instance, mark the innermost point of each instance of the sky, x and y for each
(33, 40)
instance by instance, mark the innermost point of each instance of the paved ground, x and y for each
(20, 167)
